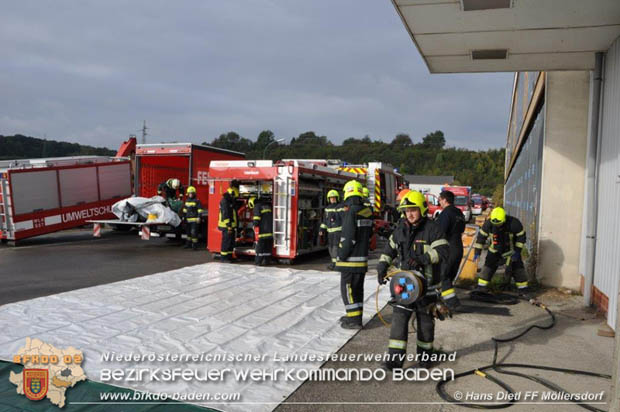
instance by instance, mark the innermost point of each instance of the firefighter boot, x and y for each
(483, 279)
(424, 356)
(188, 244)
(352, 323)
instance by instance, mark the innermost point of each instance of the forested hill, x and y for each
(483, 170)
(24, 147)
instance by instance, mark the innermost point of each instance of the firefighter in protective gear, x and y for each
(191, 210)
(366, 194)
(352, 262)
(228, 222)
(420, 245)
(507, 240)
(332, 225)
(396, 215)
(263, 229)
(452, 223)
(170, 188)
(401, 195)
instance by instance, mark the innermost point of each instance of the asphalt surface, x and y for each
(573, 343)
(73, 259)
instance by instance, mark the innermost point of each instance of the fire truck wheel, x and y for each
(285, 261)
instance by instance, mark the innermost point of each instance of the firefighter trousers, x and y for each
(263, 250)
(191, 230)
(332, 246)
(228, 245)
(515, 269)
(352, 292)
(399, 332)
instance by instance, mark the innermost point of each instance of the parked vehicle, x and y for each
(462, 199)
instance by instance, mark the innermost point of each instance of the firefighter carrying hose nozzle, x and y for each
(422, 249)
(507, 240)
(352, 262)
(228, 222)
(263, 229)
(191, 210)
(332, 225)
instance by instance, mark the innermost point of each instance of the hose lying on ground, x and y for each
(498, 367)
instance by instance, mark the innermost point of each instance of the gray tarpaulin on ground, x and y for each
(212, 308)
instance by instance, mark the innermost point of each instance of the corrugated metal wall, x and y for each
(607, 264)
(522, 189)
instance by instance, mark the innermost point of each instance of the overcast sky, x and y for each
(90, 71)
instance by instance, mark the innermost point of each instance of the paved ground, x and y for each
(72, 260)
(572, 343)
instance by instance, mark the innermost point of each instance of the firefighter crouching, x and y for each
(192, 209)
(420, 245)
(332, 225)
(507, 241)
(263, 229)
(228, 222)
(352, 262)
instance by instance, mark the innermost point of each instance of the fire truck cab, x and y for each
(297, 190)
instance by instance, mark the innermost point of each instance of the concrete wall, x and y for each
(563, 176)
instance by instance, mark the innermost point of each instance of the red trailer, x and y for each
(297, 190)
(40, 196)
(156, 163)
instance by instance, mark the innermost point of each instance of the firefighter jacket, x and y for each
(421, 247)
(506, 239)
(166, 187)
(263, 219)
(355, 237)
(452, 223)
(227, 218)
(192, 209)
(332, 222)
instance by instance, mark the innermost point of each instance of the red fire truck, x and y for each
(40, 196)
(462, 199)
(383, 183)
(156, 163)
(297, 190)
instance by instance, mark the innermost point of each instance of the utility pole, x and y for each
(144, 133)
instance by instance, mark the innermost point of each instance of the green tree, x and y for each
(232, 141)
(264, 138)
(401, 140)
(435, 140)
(498, 195)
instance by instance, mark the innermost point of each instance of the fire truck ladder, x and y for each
(281, 206)
(6, 225)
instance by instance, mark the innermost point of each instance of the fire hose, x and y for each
(498, 367)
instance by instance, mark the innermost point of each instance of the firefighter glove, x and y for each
(382, 268)
(440, 311)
